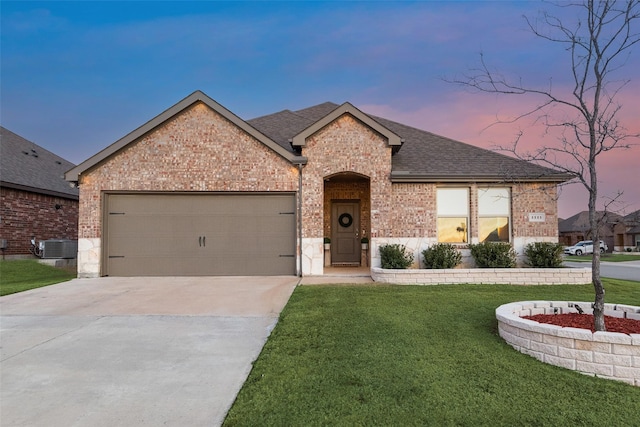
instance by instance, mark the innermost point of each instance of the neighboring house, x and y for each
(199, 191)
(36, 199)
(627, 232)
(618, 232)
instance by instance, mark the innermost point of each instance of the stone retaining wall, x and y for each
(509, 276)
(608, 355)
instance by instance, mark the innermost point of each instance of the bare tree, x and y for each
(598, 42)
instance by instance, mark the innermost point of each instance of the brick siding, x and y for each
(197, 150)
(346, 145)
(24, 215)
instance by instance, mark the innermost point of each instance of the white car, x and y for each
(584, 247)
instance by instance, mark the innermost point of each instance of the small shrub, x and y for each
(544, 254)
(395, 256)
(493, 255)
(441, 255)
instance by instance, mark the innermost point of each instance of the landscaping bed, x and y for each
(585, 321)
(610, 355)
(507, 276)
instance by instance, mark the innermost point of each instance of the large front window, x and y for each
(453, 215)
(493, 214)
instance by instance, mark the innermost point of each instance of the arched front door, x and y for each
(345, 234)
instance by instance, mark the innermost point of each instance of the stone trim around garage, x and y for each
(607, 355)
(508, 276)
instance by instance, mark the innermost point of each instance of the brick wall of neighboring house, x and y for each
(24, 215)
(346, 145)
(198, 150)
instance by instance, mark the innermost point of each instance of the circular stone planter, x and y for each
(608, 355)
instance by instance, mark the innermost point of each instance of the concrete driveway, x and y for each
(133, 351)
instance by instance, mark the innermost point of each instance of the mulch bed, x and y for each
(585, 321)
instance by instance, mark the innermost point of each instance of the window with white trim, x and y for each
(453, 215)
(494, 214)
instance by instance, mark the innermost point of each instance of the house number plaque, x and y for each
(537, 217)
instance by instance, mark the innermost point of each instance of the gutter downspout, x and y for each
(300, 219)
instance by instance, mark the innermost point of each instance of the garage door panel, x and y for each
(188, 234)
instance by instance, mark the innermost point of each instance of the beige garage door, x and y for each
(200, 235)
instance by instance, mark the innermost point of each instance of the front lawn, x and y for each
(412, 355)
(22, 275)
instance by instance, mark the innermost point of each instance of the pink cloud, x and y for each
(471, 118)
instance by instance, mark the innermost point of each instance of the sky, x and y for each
(77, 76)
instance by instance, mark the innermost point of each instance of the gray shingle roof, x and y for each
(419, 156)
(423, 155)
(580, 221)
(27, 166)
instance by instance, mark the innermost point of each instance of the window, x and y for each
(453, 215)
(493, 214)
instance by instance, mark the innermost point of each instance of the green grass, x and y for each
(420, 356)
(604, 257)
(22, 275)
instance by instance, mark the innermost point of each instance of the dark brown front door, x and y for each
(345, 235)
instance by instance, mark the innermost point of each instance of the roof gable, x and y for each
(27, 166)
(195, 97)
(299, 140)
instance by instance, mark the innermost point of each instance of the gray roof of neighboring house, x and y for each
(580, 221)
(424, 156)
(27, 166)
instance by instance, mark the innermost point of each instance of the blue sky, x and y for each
(77, 76)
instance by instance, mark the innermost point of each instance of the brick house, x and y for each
(620, 233)
(36, 199)
(199, 191)
(577, 228)
(627, 232)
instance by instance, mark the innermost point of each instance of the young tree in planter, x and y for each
(598, 43)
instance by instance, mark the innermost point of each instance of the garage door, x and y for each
(200, 235)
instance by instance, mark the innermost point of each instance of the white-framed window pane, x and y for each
(453, 201)
(493, 201)
(453, 215)
(493, 214)
(452, 230)
(494, 229)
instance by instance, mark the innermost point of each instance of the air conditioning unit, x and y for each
(59, 248)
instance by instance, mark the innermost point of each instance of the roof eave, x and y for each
(39, 190)
(403, 176)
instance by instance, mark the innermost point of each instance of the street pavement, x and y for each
(628, 270)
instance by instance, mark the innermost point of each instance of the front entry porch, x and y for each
(347, 219)
(340, 275)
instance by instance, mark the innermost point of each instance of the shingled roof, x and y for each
(27, 166)
(419, 156)
(423, 157)
(580, 221)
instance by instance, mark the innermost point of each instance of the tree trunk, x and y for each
(598, 305)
